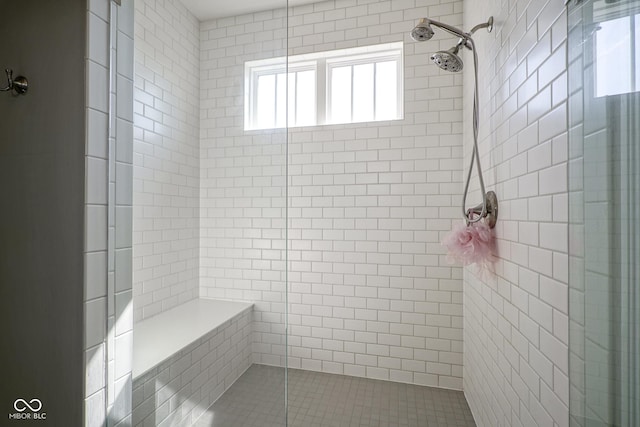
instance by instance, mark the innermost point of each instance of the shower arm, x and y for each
(453, 30)
(456, 32)
(488, 25)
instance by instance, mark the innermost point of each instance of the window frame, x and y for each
(273, 67)
(362, 59)
(322, 63)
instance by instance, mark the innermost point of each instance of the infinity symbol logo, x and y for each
(37, 405)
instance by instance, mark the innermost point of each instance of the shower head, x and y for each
(423, 31)
(448, 60)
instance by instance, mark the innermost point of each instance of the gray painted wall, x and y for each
(42, 137)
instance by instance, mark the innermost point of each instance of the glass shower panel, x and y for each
(209, 202)
(604, 180)
(243, 205)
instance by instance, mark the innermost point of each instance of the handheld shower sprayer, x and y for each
(449, 60)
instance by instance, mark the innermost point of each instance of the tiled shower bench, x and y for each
(186, 357)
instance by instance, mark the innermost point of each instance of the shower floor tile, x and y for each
(326, 400)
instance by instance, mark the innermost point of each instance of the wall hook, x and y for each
(19, 85)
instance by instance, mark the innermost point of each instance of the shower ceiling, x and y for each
(210, 9)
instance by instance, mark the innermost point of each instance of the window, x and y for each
(340, 86)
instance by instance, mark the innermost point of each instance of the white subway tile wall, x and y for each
(370, 291)
(108, 281)
(166, 161)
(515, 324)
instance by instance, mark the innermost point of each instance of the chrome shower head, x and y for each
(423, 31)
(448, 60)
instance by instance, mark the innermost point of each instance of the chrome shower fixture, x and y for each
(423, 31)
(448, 60)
